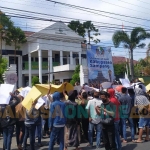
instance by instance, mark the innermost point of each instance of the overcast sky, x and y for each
(136, 8)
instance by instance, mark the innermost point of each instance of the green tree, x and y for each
(130, 42)
(76, 75)
(5, 25)
(3, 67)
(77, 26)
(17, 37)
(119, 69)
(89, 26)
(35, 80)
(85, 28)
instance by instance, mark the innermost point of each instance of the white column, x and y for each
(29, 67)
(61, 58)
(71, 58)
(50, 64)
(40, 65)
(79, 58)
(19, 71)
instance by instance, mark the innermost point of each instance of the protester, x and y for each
(8, 120)
(57, 121)
(107, 114)
(72, 122)
(30, 120)
(115, 101)
(84, 117)
(126, 107)
(144, 108)
(94, 120)
(20, 126)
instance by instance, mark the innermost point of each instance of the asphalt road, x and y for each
(129, 146)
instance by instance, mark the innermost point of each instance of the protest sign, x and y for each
(106, 85)
(5, 90)
(40, 102)
(125, 82)
(33, 95)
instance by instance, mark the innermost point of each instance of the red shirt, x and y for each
(115, 102)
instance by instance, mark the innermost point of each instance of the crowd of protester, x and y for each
(78, 116)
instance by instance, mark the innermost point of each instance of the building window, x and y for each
(77, 61)
(64, 61)
(45, 59)
(36, 59)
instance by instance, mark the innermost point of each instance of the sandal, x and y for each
(136, 141)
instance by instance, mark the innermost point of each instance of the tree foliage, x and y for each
(35, 80)
(119, 69)
(76, 75)
(5, 25)
(85, 28)
(131, 41)
(3, 67)
(17, 37)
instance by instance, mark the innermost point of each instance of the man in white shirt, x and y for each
(94, 120)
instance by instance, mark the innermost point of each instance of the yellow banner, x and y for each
(43, 88)
(32, 96)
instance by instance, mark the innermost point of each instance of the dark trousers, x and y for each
(57, 132)
(20, 127)
(136, 125)
(85, 127)
(7, 137)
(29, 130)
(46, 129)
(109, 137)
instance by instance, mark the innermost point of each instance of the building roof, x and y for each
(58, 30)
(28, 33)
(120, 60)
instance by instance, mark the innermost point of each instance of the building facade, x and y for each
(51, 54)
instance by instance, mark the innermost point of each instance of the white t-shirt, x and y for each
(91, 106)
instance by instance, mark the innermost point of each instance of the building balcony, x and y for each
(35, 65)
(62, 68)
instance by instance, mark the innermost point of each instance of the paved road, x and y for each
(128, 146)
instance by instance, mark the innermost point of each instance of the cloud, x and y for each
(46, 7)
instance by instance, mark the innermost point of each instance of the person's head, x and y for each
(96, 94)
(72, 96)
(76, 93)
(56, 96)
(61, 95)
(104, 96)
(124, 90)
(111, 92)
(84, 95)
(131, 92)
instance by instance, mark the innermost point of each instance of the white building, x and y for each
(52, 54)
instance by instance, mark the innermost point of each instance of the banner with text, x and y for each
(100, 64)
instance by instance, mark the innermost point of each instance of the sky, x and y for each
(133, 8)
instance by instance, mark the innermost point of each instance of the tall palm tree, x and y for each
(16, 37)
(130, 42)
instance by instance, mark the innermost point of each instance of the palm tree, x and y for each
(5, 25)
(130, 42)
(16, 37)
